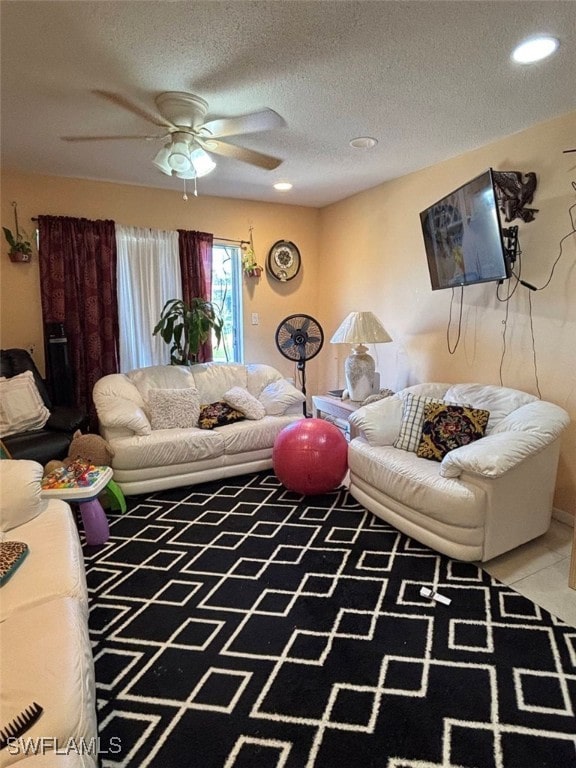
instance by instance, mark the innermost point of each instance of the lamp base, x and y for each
(359, 369)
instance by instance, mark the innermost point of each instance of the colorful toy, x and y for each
(310, 456)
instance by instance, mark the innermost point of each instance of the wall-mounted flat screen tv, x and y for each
(463, 236)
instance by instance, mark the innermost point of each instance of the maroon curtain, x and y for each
(196, 268)
(78, 288)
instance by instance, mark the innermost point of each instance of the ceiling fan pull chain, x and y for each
(185, 196)
(195, 187)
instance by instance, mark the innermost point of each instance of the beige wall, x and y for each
(372, 258)
(366, 253)
(20, 312)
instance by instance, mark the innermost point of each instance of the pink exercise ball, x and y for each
(310, 456)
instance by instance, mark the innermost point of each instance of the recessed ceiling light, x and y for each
(535, 49)
(363, 142)
(282, 186)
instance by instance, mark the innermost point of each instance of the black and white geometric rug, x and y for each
(239, 625)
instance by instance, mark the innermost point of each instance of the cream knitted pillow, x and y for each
(240, 399)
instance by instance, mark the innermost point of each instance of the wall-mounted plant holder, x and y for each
(20, 246)
(19, 256)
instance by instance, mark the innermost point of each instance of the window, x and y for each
(149, 275)
(227, 296)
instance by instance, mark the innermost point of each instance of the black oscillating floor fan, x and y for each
(300, 338)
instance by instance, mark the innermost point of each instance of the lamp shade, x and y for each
(177, 159)
(360, 328)
(161, 160)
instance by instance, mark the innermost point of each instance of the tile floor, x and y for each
(539, 570)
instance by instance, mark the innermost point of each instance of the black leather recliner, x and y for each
(53, 440)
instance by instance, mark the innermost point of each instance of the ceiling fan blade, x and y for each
(108, 138)
(568, 150)
(265, 120)
(240, 153)
(122, 101)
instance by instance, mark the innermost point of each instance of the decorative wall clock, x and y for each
(283, 260)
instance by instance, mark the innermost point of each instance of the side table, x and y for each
(336, 411)
(94, 518)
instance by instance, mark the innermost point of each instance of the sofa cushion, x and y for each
(160, 377)
(248, 436)
(218, 414)
(20, 499)
(21, 407)
(169, 408)
(54, 567)
(499, 401)
(45, 656)
(166, 448)
(213, 379)
(417, 484)
(380, 421)
(258, 376)
(280, 395)
(240, 399)
(447, 427)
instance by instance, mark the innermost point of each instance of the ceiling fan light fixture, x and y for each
(535, 48)
(161, 160)
(179, 159)
(363, 142)
(201, 162)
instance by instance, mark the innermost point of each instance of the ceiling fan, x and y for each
(190, 138)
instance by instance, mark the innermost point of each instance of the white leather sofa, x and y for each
(45, 652)
(483, 498)
(147, 459)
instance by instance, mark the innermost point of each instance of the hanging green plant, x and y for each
(249, 264)
(187, 326)
(20, 245)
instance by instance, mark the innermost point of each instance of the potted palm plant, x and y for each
(187, 326)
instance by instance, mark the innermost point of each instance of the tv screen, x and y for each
(463, 236)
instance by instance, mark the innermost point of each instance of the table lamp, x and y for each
(360, 328)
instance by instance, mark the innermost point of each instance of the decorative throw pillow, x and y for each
(12, 554)
(278, 396)
(173, 408)
(447, 427)
(218, 414)
(21, 407)
(412, 422)
(240, 399)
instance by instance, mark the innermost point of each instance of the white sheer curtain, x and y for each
(148, 276)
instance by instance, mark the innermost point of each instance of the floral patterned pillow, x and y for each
(218, 414)
(447, 427)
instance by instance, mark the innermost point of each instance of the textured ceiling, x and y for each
(429, 80)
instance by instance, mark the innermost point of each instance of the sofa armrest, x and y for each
(494, 455)
(20, 488)
(379, 422)
(524, 432)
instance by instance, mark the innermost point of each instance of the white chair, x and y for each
(483, 498)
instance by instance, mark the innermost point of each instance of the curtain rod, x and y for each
(221, 239)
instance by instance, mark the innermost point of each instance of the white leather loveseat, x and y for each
(45, 651)
(150, 458)
(481, 499)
